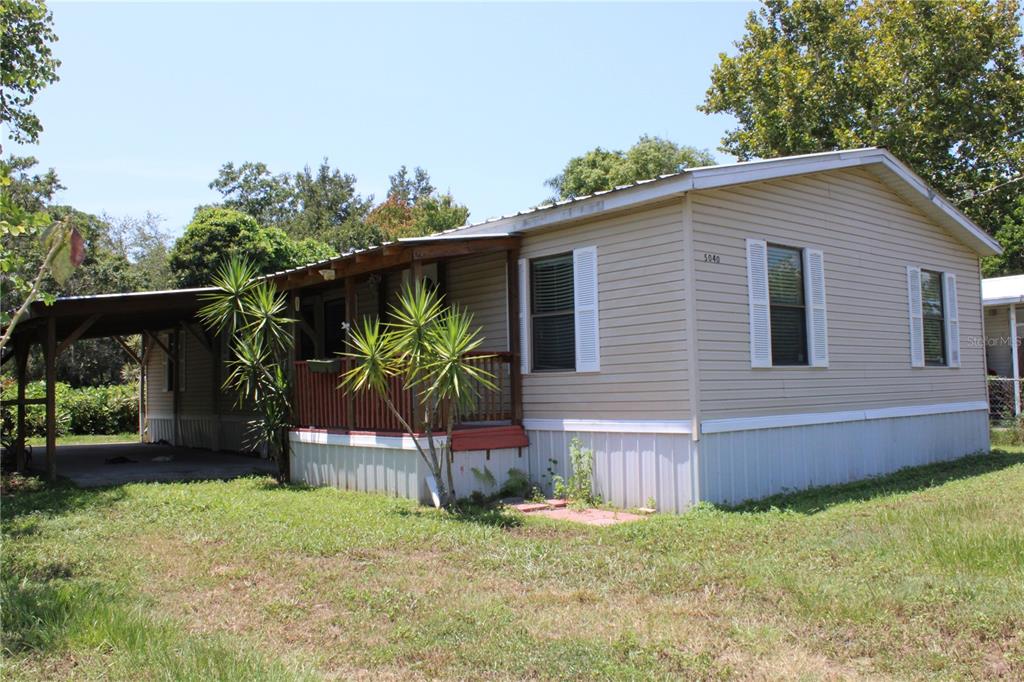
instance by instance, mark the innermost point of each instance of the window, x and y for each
(934, 318)
(169, 377)
(552, 313)
(787, 307)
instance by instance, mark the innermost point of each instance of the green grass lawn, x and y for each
(917, 575)
(90, 439)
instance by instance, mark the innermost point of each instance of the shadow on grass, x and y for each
(54, 499)
(903, 481)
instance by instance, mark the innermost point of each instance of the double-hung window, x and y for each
(558, 314)
(933, 318)
(552, 313)
(934, 321)
(786, 302)
(786, 287)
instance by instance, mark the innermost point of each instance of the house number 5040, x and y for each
(712, 258)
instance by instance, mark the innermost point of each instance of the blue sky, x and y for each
(491, 99)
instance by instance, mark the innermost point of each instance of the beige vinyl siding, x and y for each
(159, 403)
(478, 284)
(997, 340)
(642, 321)
(198, 398)
(868, 235)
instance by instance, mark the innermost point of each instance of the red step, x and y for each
(488, 438)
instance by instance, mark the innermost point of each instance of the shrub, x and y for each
(89, 410)
(580, 486)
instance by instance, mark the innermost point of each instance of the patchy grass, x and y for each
(920, 574)
(86, 439)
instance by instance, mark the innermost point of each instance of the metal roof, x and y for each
(1002, 290)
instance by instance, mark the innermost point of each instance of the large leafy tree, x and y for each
(27, 64)
(602, 169)
(939, 83)
(319, 203)
(414, 208)
(216, 233)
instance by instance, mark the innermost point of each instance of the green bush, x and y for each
(89, 410)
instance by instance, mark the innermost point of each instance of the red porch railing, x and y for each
(320, 403)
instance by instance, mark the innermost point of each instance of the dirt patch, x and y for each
(591, 517)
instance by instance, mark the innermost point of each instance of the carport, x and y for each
(55, 327)
(90, 466)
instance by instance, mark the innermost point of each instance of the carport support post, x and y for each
(20, 369)
(51, 398)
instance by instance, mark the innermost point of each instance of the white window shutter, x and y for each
(588, 342)
(916, 320)
(952, 321)
(525, 342)
(817, 318)
(760, 308)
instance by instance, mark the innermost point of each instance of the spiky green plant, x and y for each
(249, 313)
(426, 344)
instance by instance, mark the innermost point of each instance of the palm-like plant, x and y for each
(249, 313)
(426, 344)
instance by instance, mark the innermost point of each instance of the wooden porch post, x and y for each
(21, 349)
(51, 398)
(351, 310)
(514, 342)
(143, 382)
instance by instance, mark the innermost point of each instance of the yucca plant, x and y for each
(426, 344)
(250, 314)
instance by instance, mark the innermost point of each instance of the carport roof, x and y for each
(114, 314)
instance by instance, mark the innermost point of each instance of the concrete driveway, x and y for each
(91, 466)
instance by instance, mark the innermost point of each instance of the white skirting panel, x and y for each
(394, 471)
(748, 465)
(210, 432)
(630, 469)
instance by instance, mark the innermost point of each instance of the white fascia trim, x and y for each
(608, 426)
(780, 421)
(359, 440)
(1007, 300)
(712, 177)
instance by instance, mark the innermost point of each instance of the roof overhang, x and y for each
(399, 254)
(1002, 290)
(887, 168)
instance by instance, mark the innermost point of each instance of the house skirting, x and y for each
(746, 459)
(391, 464)
(637, 463)
(211, 432)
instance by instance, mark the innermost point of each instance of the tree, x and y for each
(27, 65)
(940, 84)
(414, 208)
(1011, 237)
(601, 169)
(250, 314)
(425, 344)
(321, 204)
(217, 233)
(147, 246)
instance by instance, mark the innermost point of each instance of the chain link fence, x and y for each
(1001, 404)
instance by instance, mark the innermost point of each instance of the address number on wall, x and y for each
(712, 258)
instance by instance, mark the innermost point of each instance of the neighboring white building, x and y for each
(1001, 297)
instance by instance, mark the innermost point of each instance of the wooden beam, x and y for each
(351, 268)
(156, 340)
(464, 248)
(416, 270)
(21, 349)
(51, 398)
(77, 333)
(201, 337)
(127, 349)
(351, 313)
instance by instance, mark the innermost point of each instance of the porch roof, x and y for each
(1002, 290)
(397, 254)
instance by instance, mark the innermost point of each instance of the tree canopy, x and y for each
(27, 65)
(414, 208)
(602, 169)
(940, 84)
(216, 233)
